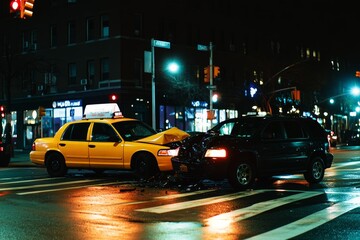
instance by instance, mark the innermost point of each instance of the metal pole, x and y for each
(153, 104)
(211, 81)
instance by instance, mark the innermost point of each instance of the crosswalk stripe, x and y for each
(46, 185)
(243, 213)
(31, 180)
(180, 195)
(61, 189)
(199, 202)
(309, 222)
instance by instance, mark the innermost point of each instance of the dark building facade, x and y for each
(76, 52)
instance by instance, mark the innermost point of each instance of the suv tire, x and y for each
(316, 171)
(241, 175)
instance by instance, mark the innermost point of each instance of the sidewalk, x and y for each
(21, 159)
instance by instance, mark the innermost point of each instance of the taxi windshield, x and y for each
(133, 130)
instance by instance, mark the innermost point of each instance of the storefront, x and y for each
(192, 119)
(36, 126)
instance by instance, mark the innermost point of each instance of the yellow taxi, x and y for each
(104, 139)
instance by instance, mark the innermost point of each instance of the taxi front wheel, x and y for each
(145, 166)
(55, 165)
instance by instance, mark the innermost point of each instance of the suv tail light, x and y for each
(216, 153)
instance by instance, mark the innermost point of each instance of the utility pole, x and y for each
(211, 75)
(211, 86)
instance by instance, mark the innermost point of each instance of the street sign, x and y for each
(211, 87)
(161, 44)
(202, 47)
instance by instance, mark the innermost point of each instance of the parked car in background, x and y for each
(244, 149)
(104, 139)
(352, 137)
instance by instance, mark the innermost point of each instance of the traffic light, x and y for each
(216, 71)
(15, 7)
(113, 97)
(27, 8)
(207, 74)
(295, 94)
(357, 74)
(2, 111)
(41, 111)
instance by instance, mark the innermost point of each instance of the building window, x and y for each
(105, 68)
(105, 26)
(138, 72)
(90, 72)
(71, 33)
(72, 74)
(90, 29)
(53, 36)
(29, 40)
(138, 24)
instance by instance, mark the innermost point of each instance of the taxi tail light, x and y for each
(168, 152)
(216, 153)
(33, 148)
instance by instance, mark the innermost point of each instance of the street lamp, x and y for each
(173, 67)
(354, 91)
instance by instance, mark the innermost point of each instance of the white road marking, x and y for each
(31, 180)
(309, 222)
(62, 189)
(253, 210)
(199, 202)
(172, 196)
(340, 165)
(45, 185)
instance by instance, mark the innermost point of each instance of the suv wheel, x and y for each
(316, 170)
(241, 175)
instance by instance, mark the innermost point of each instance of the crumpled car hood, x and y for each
(171, 135)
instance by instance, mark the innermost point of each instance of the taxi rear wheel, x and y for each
(145, 166)
(55, 165)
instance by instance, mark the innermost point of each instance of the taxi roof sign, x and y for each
(103, 110)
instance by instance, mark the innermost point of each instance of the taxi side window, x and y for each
(103, 133)
(76, 132)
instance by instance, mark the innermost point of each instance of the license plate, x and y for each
(183, 168)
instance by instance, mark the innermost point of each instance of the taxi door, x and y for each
(74, 145)
(105, 147)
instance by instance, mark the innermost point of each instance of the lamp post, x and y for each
(160, 44)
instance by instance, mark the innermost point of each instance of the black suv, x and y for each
(247, 148)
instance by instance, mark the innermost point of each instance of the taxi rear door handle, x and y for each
(91, 146)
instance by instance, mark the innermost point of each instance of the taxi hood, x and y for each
(168, 136)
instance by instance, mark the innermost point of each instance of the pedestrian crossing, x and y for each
(45, 185)
(255, 203)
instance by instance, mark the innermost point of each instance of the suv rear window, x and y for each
(294, 130)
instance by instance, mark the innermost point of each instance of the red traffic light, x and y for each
(15, 5)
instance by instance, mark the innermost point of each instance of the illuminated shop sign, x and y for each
(199, 104)
(67, 103)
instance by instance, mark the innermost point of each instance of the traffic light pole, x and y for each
(153, 97)
(211, 77)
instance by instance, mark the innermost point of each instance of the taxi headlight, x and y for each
(168, 152)
(216, 153)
